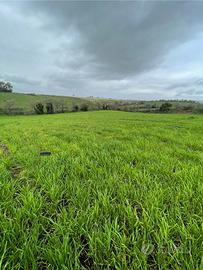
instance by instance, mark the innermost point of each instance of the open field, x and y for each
(120, 191)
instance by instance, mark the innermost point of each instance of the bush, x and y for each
(6, 87)
(60, 106)
(165, 107)
(75, 108)
(188, 108)
(39, 108)
(84, 107)
(105, 107)
(50, 108)
(9, 106)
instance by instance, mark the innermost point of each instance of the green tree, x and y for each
(6, 87)
(39, 108)
(165, 107)
(75, 108)
(50, 108)
(84, 107)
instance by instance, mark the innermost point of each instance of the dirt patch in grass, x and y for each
(4, 149)
(152, 257)
(15, 170)
(84, 257)
(133, 163)
(42, 264)
(63, 203)
(137, 208)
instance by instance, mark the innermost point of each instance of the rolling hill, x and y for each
(18, 103)
(24, 103)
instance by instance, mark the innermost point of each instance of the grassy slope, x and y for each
(120, 191)
(27, 101)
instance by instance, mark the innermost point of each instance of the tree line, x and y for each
(51, 108)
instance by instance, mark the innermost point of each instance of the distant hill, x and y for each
(150, 106)
(18, 103)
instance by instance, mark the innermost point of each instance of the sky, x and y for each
(116, 49)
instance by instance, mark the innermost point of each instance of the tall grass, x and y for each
(120, 191)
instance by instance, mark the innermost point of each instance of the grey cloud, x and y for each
(20, 79)
(122, 38)
(185, 83)
(199, 92)
(112, 49)
(199, 82)
(190, 92)
(189, 87)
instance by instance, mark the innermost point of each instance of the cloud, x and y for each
(19, 79)
(100, 48)
(119, 38)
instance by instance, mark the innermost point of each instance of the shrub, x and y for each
(8, 106)
(39, 108)
(50, 108)
(75, 108)
(188, 108)
(84, 107)
(60, 106)
(165, 107)
(6, 87)
(105, 107)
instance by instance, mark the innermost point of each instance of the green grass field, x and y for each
(120, 191)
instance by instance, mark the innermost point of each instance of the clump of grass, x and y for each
(120, 191)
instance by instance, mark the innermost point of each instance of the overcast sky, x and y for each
(133, 50)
